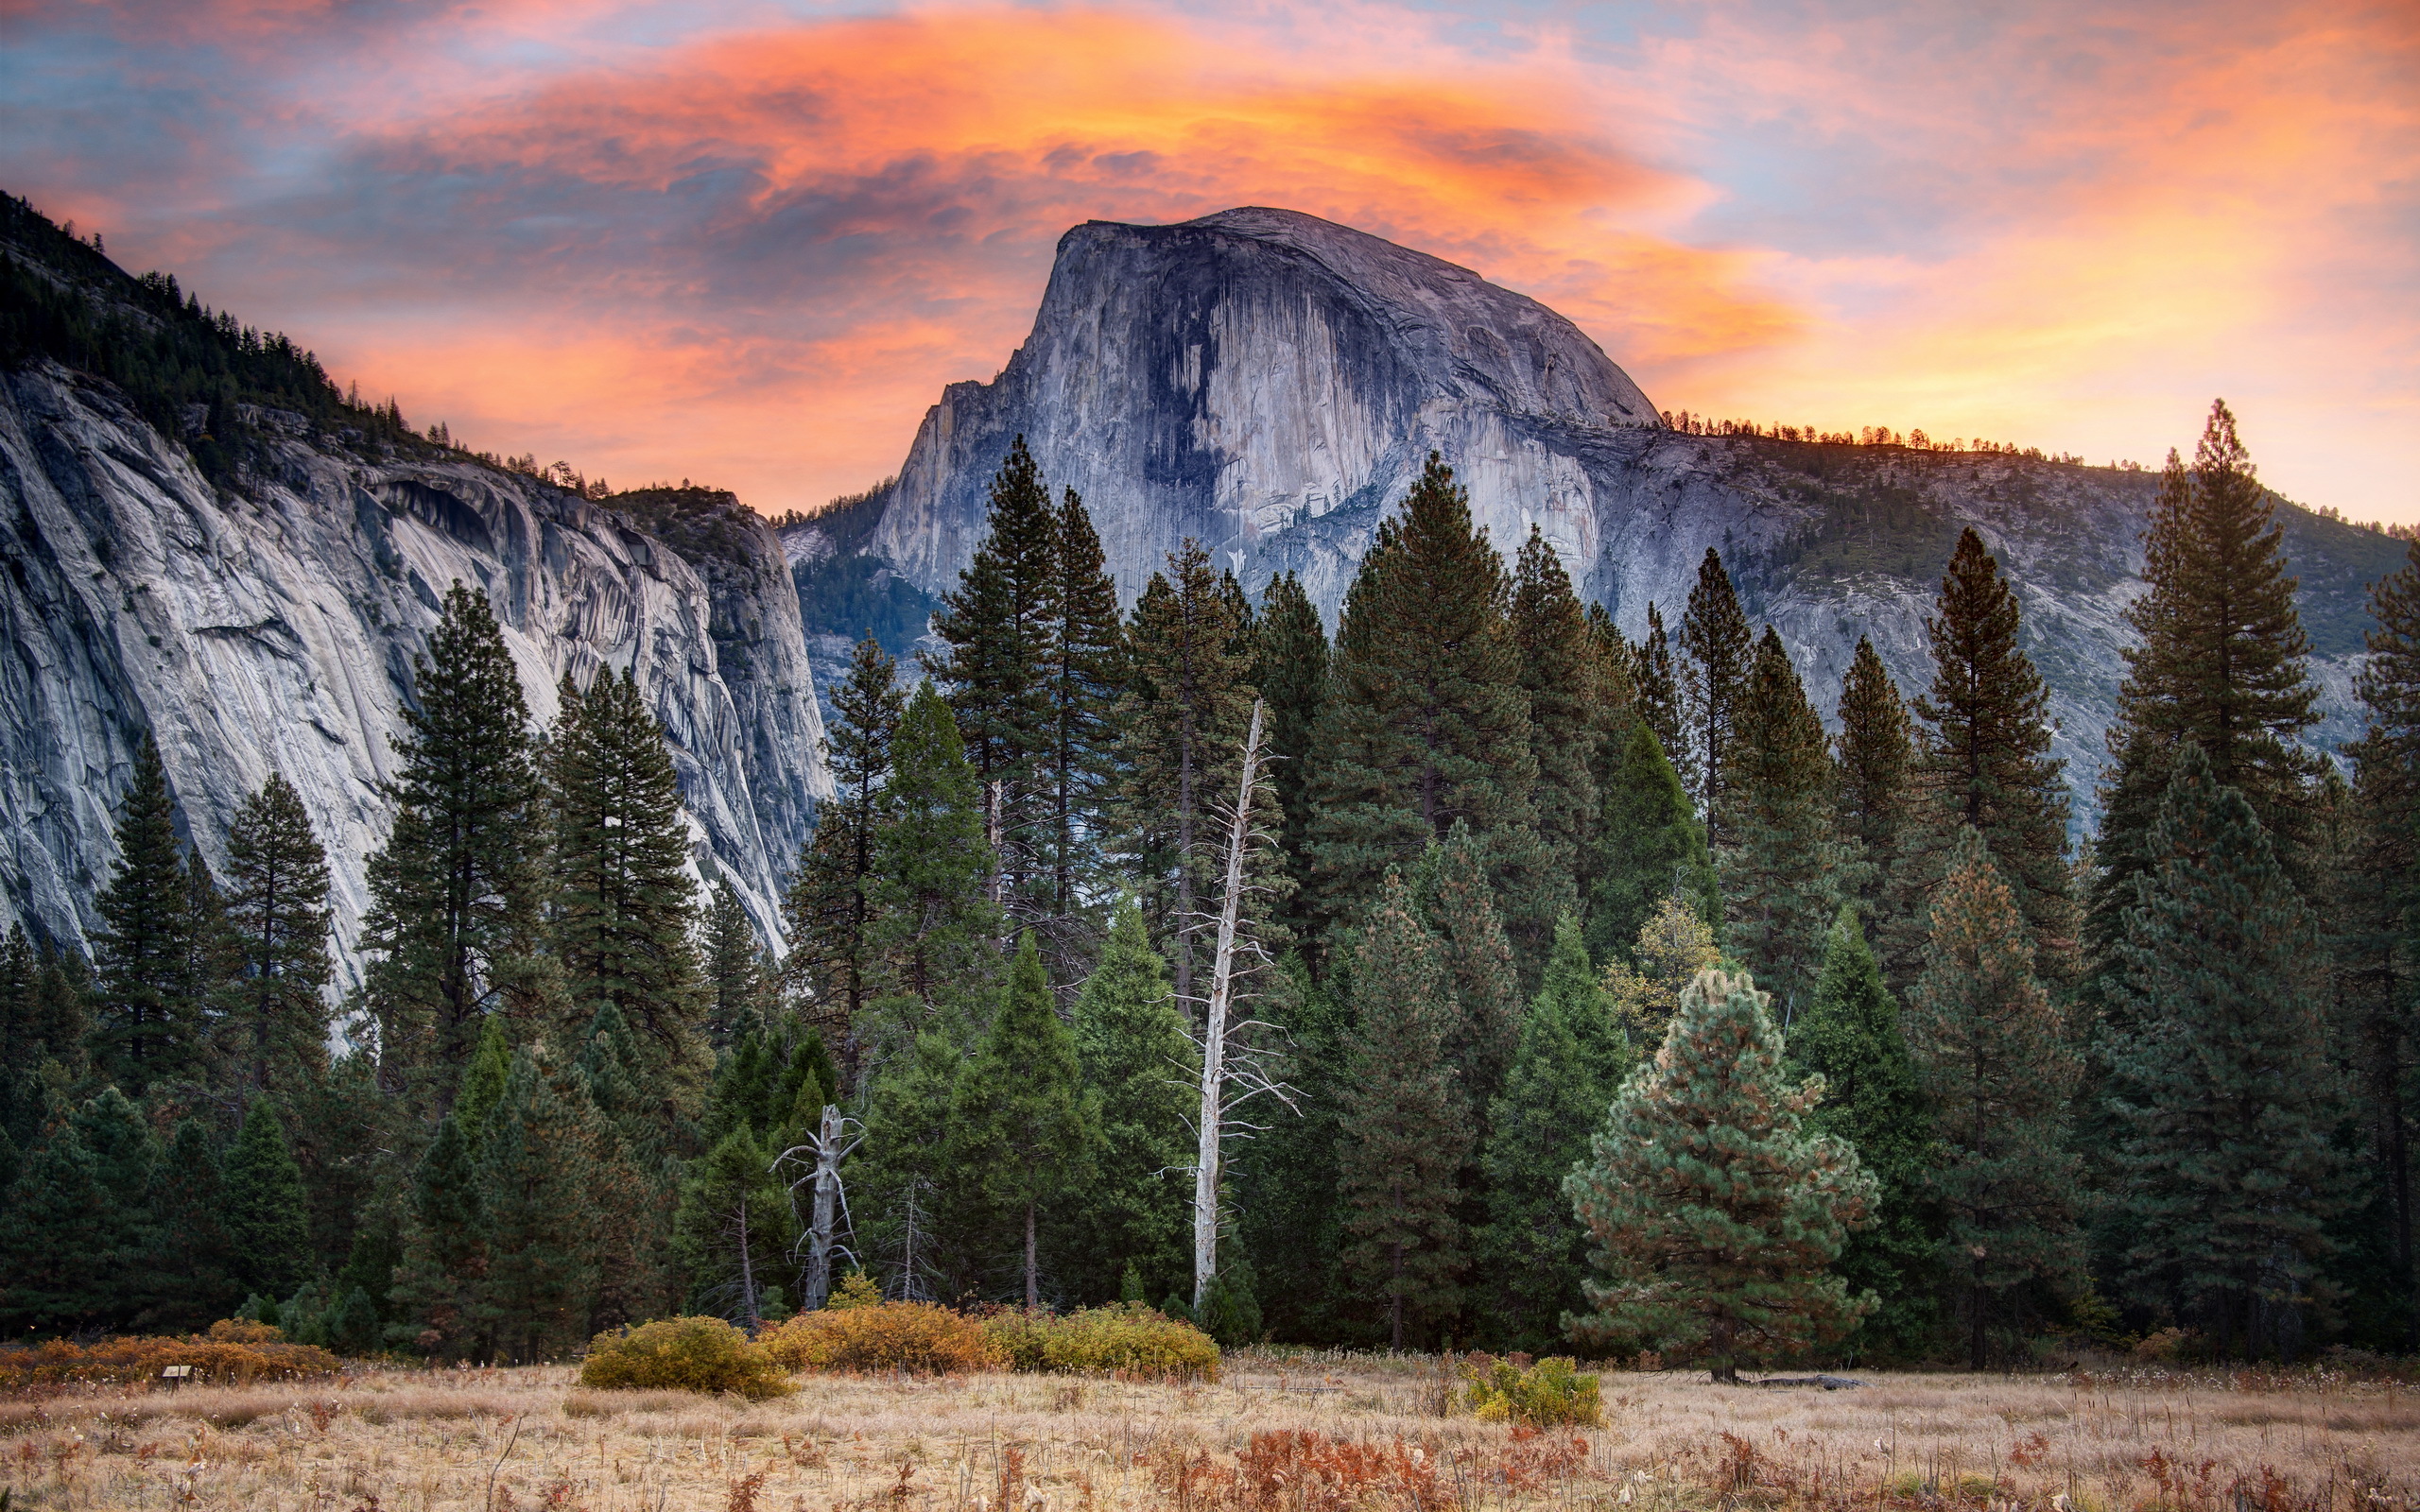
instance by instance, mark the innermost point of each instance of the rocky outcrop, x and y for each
(273, 628)
(1270, 384)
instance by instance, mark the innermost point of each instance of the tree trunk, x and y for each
(1032, 1287)
(1214, 1029)
(747, 1274)
(828, 1192)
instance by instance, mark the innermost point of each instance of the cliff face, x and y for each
(274, 630)
(1270, 384)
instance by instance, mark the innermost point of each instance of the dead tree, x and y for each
(822, 1155)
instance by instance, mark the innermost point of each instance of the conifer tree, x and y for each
(1406, 1135)
(635, 1191)
(536, 1177)
(1426, 722)
(1721, 655)
(277, 910)
(2220, 1078)
(1484, 1029)
(1131, 1045)
(483, 1079)
(1087, 655)
(1660, 701)
(735, 1227)
(914, 1214)
(266, 1214)
(62, 1234)
(1183, 720)
(1985, 764)
(1027, 1125)
(733, 965)
(1715, 1214)
(1573, 710)
(1573, 1058)
(21, 1043)
(1782, 875)
(623, 907)
(454, 909)
(191, 1270)
(832, 906)
(1995, 1065)
(1284, 1182)
(1290, 667)
(935, 925)
(1652, 848)
(1876, 761)
(150, 1019)
(1000, 622)
(443, 1255)
(1850, 1035)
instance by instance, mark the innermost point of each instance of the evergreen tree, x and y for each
(1025, 1125)
(1850, 1035)
(536, 1176)
(635, 1188)
(454, 894)
(1660, 702)
(1652, 848)
(1715, 1214)
(735, 1227)
(1782, 874)
(1131, 1045)
(1573, 1057)
(1877, 757)
(1290, 667)
(1000, 622)
(832, 907)
(483, 1079)
(266, 1212)
(62, 1238)
(1426, 722)
(1406, 1135)
(1484, 1028)
(1985, 764)
(1995, 1065)
(191, 1270)
(734, 969)
(623, 906)
(20, 1040)
(444, 1253)
(1184, 718)
(935, 926)
(1288, 1215)
(277, 908)
(1087, 653)
(1722, 656)
(2220, 1077)
(915, 1217)
(150, 1018)
(1573, 708)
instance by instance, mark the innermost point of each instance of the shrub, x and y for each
(683, 1354)
(1126, 1340)
(916, 1337)
(231, 1353)
(1550, 1392)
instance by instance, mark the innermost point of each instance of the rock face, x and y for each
(275, 631)
(1270, 384)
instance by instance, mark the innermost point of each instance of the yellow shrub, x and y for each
(916, 1337)
(683, 1354)
(1550, 1392)
(1128, 1340)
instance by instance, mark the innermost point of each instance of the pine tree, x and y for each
(1288, 1216)
(1426, 722)
(535, 1175)
(1000, 622)
(149, 1021)
(1290, 667)
(1876, 753)
(635, 1188)
(454, 911)
(735, 1227)
(483, 1079)
(444, 1253)
(935, 926)
(2221, 1077)
(915, 1217)
(1573, 710)
(1994, 1062)
(277, 908)
(1573, 1058)
(1985, 764)
(1652, 848)
(1484, 1030)
(1850, 1035)
(1026, 1127)
(1659, 698)
(62, 1234)
(623, 905)
(1183, 719)
(266, 1214)
(191, 1269)
(1781, 876)
(733, 965)
(1087, 655)
(1406, 1131)
(832, 906)
(1722, 656)
(1131, 1045)
(21, 1041)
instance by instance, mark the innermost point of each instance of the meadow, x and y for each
(1291, 1432)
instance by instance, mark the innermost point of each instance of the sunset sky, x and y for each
(747, 241)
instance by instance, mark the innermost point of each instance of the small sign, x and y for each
(176, 1372)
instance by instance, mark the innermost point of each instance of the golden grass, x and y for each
(416, 1441)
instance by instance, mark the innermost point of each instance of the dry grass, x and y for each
(1281, 1433)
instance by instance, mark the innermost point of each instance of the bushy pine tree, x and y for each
(454, 894)
(1722, 656)
(1662, 706)
(915, 1219)
(1026, 1127)
(190, 1275)
(623, 906)
(734, 965)
(1184, 718)
(1782, 874)
(1485, 1027)
(536, 1180)
(151, 1016)
(935, 924)
(443, 1256)
(1407, 1128)
(275, 1025)
(1652, 847)
(635, 1187)
(1575, 708)
(1876, 758)
(1087, 669)
(1285, 1181)
(2220, 1077)
(266, 1212)
(62, 1238)
(1132, 1047)
(1715, 1214)
(1290, 667)
(1573, 1058)
(1996, 1066)
(1850, 1034)
(832, 906)
(483, 1079)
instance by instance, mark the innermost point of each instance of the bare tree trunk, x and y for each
(1032, 1291)
(1214, 1028)
(827, 1192)
(748, 1272)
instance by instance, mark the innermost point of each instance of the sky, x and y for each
(746, 242)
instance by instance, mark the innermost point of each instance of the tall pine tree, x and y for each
(832, 905)
(1026, 1123)
(1661, 702)
(266, 1216)
(1782, 875)
(935, 925)
(1721, 654)
(1087, 666)
(1576, 707)
(537, 1222)
(1652, 847)
(151, 1017)
(1877, 751)
(276, 1021)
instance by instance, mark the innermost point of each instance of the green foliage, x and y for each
(1876, 753)
(483, 1079)
(1550, 1394)
(536, 1173)
(734, 1225)
(1782, 875)
(1128, 1341)
(276, 1019)
(1652, 847)
(736, 973)
(1720, 655)
(1290, 667)
(1231, 1303)
(1715, 1215)
(832, 906)
(1661, 700)
(1027, 1128)
(1086, 671)
(266, 1216)
(1485, 1024)
(152, 1002)
(935, 919)
(1579, 696)
(704, 1354)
